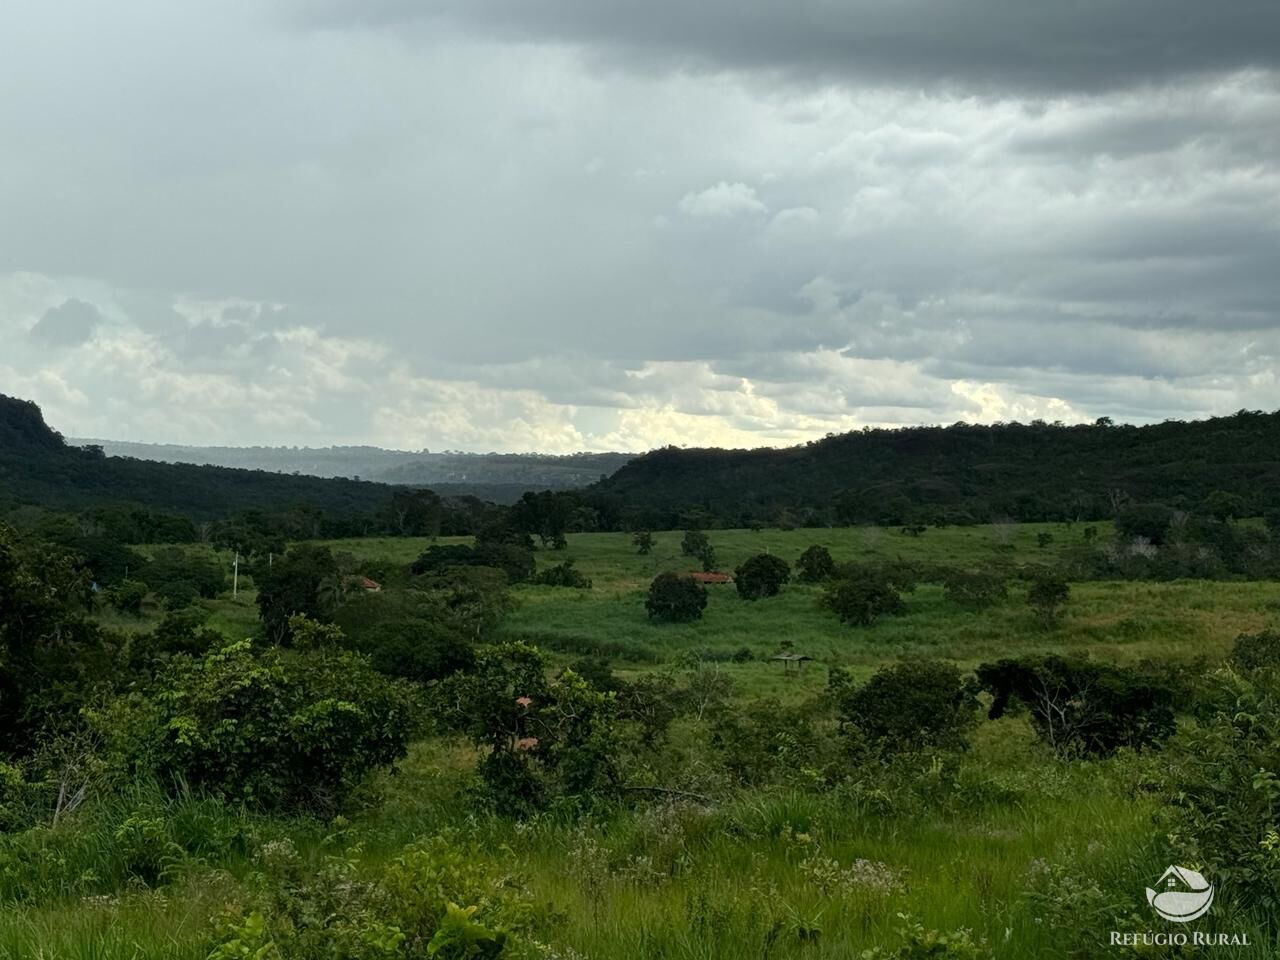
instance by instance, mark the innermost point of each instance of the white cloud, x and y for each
(722, 200)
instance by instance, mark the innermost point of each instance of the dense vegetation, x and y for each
(499, 732)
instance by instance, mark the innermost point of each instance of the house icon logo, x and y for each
(1181, 895)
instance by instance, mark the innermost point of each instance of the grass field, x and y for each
(1009, 844)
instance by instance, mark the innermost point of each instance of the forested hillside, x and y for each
(38, 467)
(961, 473)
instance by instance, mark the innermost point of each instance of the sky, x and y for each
(561, 225)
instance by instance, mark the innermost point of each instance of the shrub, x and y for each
(815, 564)
(913, 705)
(513, 559)
(174, 565)
(761, 576)
(975, 590)
(1081, 707)
(443, 898)
(861, 598)
(546, 738)
(1222, 793)
(1151, 521)
(695, 544)
(563, 575)
(675, 599)
(643, 542)
(178, 594)
(274, 729)
(1047, 594)
(1254, 651)
(127, 596)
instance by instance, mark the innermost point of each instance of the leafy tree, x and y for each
(1081, 707)
(912, 705)
(761, 576)
(127, 596)
(176, 565)
(694, 543)
(1150, 521)
(293, 584)
(859, 598)
(1047, 594)
(272, 728)
(415, 513)
(643, 542)
(675, 599)
(1225, 507)
(975, 589)
(1043, 539)
(178, 594)
(815, 564)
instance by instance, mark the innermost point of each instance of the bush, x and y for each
(178, 594)
(563, 575)
(1047, 594)
(1150, 521)
(1222, 793)
(1079, 707)
(861, 598)
(513, 559)
(675, 599)
(1254, 651)
(913, 705)
(127, 596)
(274, 729)
(815, 565)
(443, 898)
(643, 542)
(761, 576)
(174, 565)
(695, 544)
(975, 590)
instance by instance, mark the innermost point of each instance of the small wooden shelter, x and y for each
(798, 660)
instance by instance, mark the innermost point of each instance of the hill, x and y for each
(37, 466)
(960, 473)
(501, 477)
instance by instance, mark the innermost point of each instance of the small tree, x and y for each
(912, 705)
(861, 598)
(815, 564)
(761, 576)
(1081, 707)
(694, 543)
(1043, 539)
(127, 596)
(1047, 595)
(675, 599)
(1254, 651)
(643, 542)
(563, 575)
(975, 590)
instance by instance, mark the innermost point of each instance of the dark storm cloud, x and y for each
(998, 45)
(68, 325)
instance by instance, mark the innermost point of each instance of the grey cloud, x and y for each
(985, 45)
(68, 325)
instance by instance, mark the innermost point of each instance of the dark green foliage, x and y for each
(414, 513)
(52, 660)
(513, 559)
(177, 594)
(693, 543)
(860, 596)
(895, 477)
(271, 728)
(1224, 506)
(175, 565)
(1256, 651)
(1043, 539)
(1150, 521)
(1047, 593)
(563, 575)
(761, 576)
(912, 705)
(675, 599)
(1221, 791)
(764, 741)
(815, 565)
(443, 556)
(597, 674)
(295, 583)
(643, 542)
(546, 515)
(975, 589)
(106, 561)
(180, 632)
(1079, 707)
(546, 738)
(127, 596)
